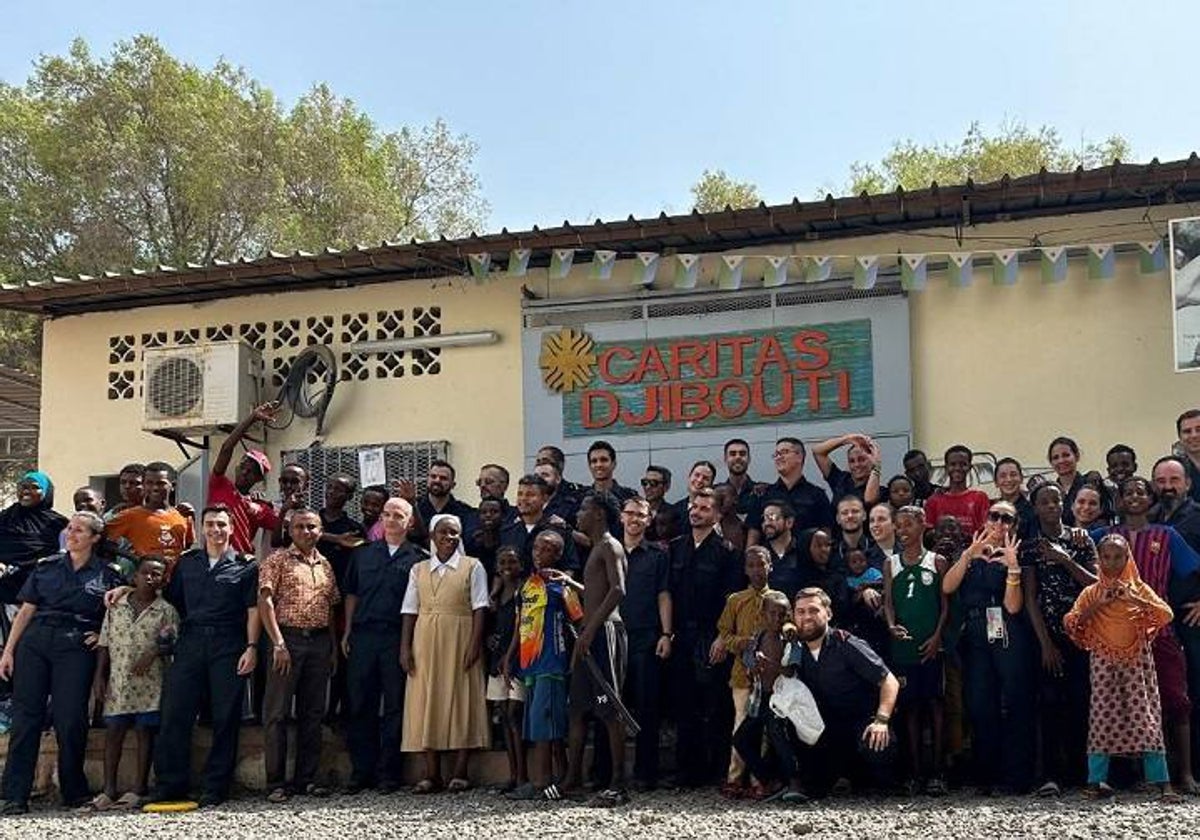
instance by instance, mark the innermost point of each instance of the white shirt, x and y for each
(479, 590)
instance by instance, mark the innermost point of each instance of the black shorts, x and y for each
(921, 681)
(610, 651)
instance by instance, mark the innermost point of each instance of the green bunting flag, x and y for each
(1054, 264)
(1102, 262)
(602, 264)
(729, 276)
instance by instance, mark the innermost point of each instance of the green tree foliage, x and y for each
(715, 190)
(1015, 150)
(139, 159)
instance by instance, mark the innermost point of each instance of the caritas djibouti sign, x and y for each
(782, 375)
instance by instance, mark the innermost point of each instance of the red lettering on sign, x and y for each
(651, 363)
(695, 355)
(610, 404)
(810, 346)
(758, 397)
(737, 346)
(691, 402)
(742, 398)
(650, 412)
(813, 378)
(606, 365)
(843, 385)
(770, 352)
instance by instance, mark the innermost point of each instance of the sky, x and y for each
(588, 110)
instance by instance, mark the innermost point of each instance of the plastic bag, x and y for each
(792, 700)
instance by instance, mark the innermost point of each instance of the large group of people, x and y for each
(895, 634)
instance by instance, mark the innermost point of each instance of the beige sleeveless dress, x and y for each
(444, 706)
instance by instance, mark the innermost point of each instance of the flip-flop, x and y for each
(458, 785)
(100, 802)
(794, 797)
(129, 801)
(278, 795)
(426, 786)
(609, 798)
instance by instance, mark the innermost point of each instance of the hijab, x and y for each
(1120, 628)
(30, 533)
(433, 523)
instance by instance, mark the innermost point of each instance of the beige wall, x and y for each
(475, 402)
(1002, 369)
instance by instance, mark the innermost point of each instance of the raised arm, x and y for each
(264, 413)
(821, 452)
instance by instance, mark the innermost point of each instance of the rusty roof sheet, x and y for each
(1044, 194)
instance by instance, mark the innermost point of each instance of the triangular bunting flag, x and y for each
(817, 269)
(480, 265)
(775, 271)
(960, 268)
(602, 264)
(1005, 265)
(1054, 264)
(687, 270)
(518, 261)
(866, 270)
(729, 276)
(914, 271)
(645, 268)
(560, 263)
(1152, 256)
(1102, 262)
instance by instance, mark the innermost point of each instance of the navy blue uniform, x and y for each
(52, 661)
(647, 577)
(999, 687)
(701, 578)
(213, 604)
(377, 578)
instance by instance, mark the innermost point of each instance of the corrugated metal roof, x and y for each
(20, 401)
(1044, 194)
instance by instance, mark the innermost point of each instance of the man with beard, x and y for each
(562, 503)
(554, 455)
(808, 502)
(787, 574)
(439, 498)
(704, 572)
(855, 693)
(532, 495)
(1177, 509)
(863, 458)
(737, 464)
(851, 516)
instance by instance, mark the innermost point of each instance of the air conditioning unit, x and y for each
(200, 387)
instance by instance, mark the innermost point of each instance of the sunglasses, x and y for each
(651, 482)
(1001, 516)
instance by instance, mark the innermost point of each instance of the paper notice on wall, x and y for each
(372, 469)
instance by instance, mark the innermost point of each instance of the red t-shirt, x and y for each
(247, 514)
(970, 508)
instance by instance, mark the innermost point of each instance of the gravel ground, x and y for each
(657, 815)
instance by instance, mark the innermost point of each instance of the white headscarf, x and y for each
(433, 523)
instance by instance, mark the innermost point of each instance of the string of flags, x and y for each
(730, 271)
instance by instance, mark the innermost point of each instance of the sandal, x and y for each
(1100, 791)
(314, 789)
(458, 785)
(1049, 789)
(609, 798)
(794, 797)
(427, 786)
(100, 803)
(130, 801)
(278, 795)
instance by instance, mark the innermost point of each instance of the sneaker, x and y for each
(12, 809)
(1049, 789)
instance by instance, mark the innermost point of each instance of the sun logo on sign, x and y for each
(568, 359)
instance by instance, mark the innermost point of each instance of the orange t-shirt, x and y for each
(159, 533)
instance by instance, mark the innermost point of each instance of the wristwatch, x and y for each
(670, 637)
(881, 719)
